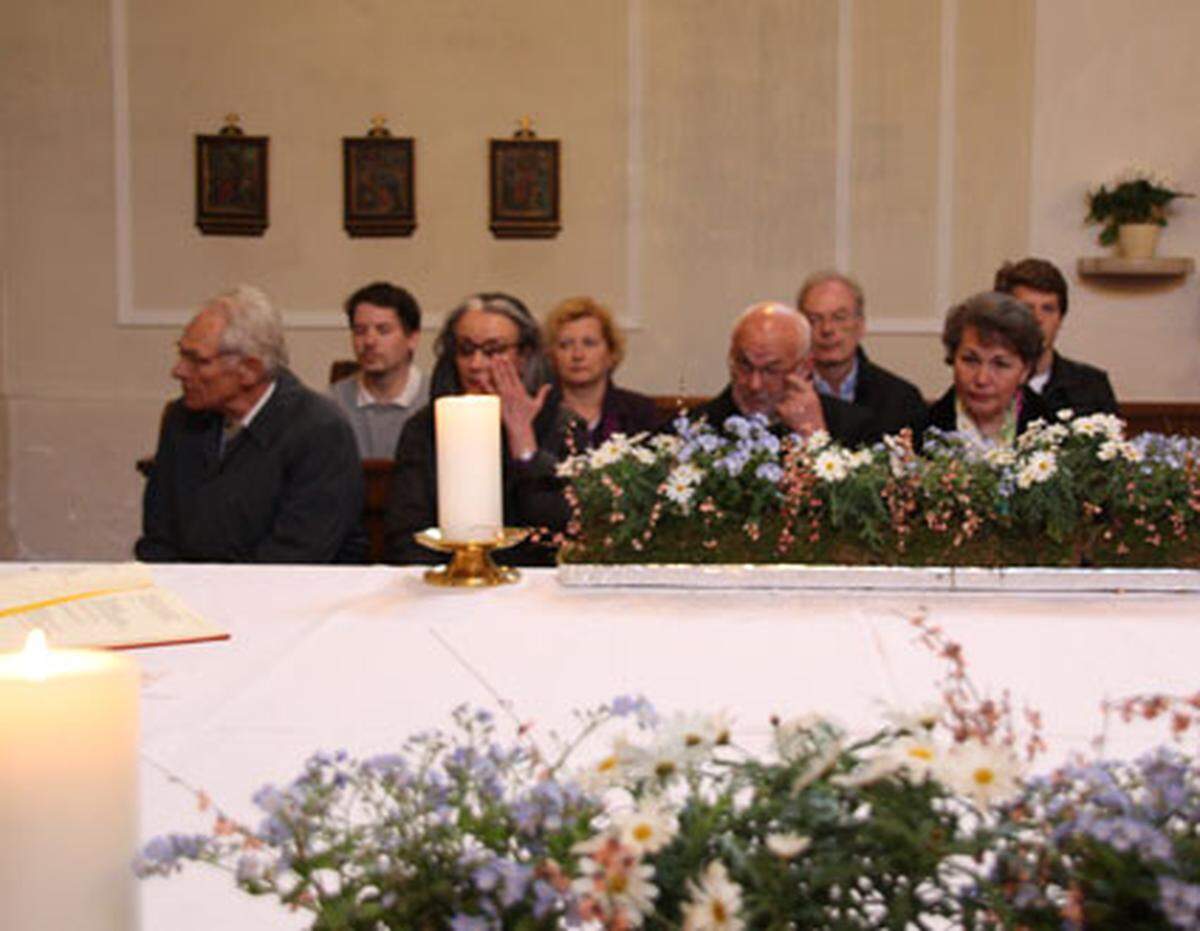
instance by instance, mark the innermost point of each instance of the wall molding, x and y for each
(129, 314)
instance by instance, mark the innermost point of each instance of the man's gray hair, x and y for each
(253, 327)
(831, 274)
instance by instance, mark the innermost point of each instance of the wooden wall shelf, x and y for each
(1103, 266)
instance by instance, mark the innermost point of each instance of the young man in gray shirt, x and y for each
(387, 389)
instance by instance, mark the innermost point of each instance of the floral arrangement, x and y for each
(928, 822)
(1138, 195)
(1072, 493)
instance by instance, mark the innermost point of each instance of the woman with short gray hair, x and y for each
(992, 344)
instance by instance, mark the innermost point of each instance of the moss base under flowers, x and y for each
(729, 543)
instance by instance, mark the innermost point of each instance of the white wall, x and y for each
(1119, 81)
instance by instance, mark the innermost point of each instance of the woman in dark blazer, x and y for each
(992, 343)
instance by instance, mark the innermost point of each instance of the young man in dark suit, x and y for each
(1062, 382)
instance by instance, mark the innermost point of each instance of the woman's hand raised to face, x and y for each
(518, 407)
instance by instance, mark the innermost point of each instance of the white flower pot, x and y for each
(1137, 240)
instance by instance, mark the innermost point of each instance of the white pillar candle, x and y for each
(470, 500)
(68, 789)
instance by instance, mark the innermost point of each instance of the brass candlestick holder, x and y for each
(471, 563)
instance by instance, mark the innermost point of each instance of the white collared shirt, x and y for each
(406, 398)
(258, 406)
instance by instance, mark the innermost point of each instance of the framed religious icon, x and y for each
(377, 184)
(524, 174)
(231, 182)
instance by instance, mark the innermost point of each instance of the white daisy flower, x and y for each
(615, 877)
(999, 456)
(817, 440)
(915, 720)
(985, 774)
(1106, 425)
(917, 756)
(859, 459)
(615, 768)
(667, 443)
(787, 846)
(683, 741)
(572, 466)
(715, 903)
(1040, 467)
(647, 829)
(831, 466)
(1111, 449)
(681, 484)
(798, 735)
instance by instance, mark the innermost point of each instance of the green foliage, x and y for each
(1139, 197)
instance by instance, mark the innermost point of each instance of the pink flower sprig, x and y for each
(973, 716)
(1181, 711)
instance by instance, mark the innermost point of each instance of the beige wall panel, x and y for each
(894, 146)
(1116, 82)
(737, 170)
(60, 338)
(73, 461)
(994, 123)
(449, 73)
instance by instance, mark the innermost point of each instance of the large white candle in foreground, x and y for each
(470, 506)
(68, 789)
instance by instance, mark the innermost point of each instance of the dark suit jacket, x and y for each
(289, 488)
(1083, 388)
(942, 415)
(848, 424)
(892, 401)
(533, 494)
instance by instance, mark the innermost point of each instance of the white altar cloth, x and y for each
(358, 658)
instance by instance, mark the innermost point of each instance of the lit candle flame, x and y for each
(36, 655)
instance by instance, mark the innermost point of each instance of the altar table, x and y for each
(359, 658)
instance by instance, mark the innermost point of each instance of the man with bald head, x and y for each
(770, 373)
(251, 465)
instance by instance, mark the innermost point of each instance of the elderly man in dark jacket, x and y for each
(251, 465)
(833, 305)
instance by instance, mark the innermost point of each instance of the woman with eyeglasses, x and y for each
(489, 344)
(584, 346)
(992, 343)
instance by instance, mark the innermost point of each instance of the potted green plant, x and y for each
(1133, 211)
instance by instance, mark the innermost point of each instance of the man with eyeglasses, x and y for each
(770, 373)
(251, 465)
(833, 305)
